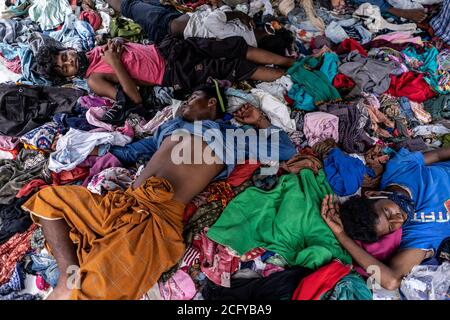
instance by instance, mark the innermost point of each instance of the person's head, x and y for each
(368, 219)
(204, 103)
(278, 42)
(57, 63)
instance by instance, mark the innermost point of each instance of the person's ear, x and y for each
(212, 102)
(368, 194)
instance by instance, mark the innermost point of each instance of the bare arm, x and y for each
(390, 276)
(439, 155)
(102, 86)
(111, 55)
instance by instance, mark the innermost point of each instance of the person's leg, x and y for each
(267, 74)
(237, 48)
(261, 56)
(56, 233)
(416, 15)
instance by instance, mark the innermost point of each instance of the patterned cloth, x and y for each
(111, 179)
(42, 137)
(13, 251)
(441, 22)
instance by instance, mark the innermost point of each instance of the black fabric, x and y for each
(13, 219)
(23, 108)
(190, 62)
(277, 286)
(443, 252)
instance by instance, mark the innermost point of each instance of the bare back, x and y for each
(187, 179)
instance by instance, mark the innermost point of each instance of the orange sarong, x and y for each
(126, 239)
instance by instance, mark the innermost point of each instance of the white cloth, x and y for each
(7, 75)
(49, 13)
(277, 88)
(76, 145)
(277, 112)
(375, 22)
(208, 23)
(437, 129)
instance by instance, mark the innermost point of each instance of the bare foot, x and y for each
(60, 293)
(416, 15)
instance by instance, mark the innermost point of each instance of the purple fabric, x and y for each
(91, 101)
(98, 164)
(8, 143)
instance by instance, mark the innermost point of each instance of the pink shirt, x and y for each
(143, 63)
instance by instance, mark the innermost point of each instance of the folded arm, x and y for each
(438, 155)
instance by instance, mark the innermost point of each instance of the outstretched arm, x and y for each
(439, 155)
(390, 276)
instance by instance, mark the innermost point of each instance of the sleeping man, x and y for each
(118, 69)
(118, 246)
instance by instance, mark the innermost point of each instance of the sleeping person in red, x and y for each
(181, 64)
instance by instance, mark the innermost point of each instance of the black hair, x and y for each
(359, 218)
(277, 43)
(46, 63)
(211, 92)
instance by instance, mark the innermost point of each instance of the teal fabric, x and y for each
(302, 100)
(350, 287)
(429, 65)
(330, 65)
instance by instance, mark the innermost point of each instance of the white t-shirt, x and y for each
(208, 23)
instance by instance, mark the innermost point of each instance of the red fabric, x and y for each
(349, 45)
(242, 173)
(324, 279)
(93, 18)
(41, 284)
(31, 187)
(197, 4)
(289, 101)
(65, 177)
(189, 211)
(13, 251)
(412, 86)
(341, 81)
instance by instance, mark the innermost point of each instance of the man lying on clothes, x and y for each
(117, 69)
(124, 241)
(416, 198)
(159, 20)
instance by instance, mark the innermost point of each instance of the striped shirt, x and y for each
(441, 22)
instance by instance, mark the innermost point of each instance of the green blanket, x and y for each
(285, 220)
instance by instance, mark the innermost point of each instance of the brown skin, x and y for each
(391, 217)
(197, 107)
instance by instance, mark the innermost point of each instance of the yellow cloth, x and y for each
(126, 239)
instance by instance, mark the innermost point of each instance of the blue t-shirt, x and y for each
(429, 186)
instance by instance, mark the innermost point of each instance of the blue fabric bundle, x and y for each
(345, 174)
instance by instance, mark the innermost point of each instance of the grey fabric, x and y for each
(370, 75)
(15, 174)
(14, 31)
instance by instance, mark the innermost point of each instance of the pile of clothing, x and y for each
(360, 90)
